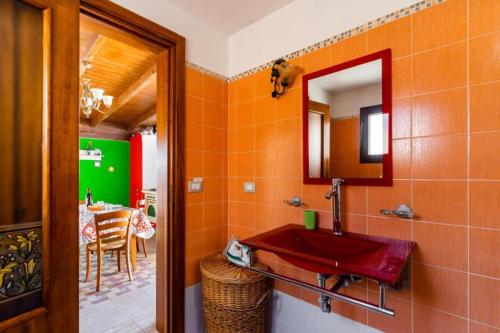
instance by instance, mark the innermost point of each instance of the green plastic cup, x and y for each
(310, 219)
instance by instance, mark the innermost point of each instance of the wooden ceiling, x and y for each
(125, 67)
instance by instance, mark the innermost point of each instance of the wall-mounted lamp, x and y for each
(282, 75)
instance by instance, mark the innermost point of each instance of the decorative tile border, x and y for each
(424, 4)
(206, 71)
(421, 5)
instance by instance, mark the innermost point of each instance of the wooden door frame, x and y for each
(170, 143)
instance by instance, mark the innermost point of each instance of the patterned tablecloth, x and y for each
(141, 226)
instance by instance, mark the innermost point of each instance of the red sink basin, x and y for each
(320, 251)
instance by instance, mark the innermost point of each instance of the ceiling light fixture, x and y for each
(91, 98)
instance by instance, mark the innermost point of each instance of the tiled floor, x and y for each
(121, 306)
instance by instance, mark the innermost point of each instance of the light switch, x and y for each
(249, 187)
(195, 185)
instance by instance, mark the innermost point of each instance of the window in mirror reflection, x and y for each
(377, 129)
(375, 132)
(348, 133)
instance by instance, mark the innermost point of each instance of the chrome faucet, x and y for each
(335, 196)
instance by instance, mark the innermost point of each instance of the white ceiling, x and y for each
(229, 16)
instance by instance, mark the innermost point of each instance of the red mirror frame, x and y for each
(386, 57)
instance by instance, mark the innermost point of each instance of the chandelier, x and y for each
(92, 98)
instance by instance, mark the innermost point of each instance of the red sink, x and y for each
(320, 251)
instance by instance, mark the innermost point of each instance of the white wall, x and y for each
(299, 24)
(149, 161)
(193, 309)
(318, 94)
(288, 315)
(347, 103)
(205, 46)
(293, 27)
(293, 315)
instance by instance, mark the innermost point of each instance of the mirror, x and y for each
(347, 122)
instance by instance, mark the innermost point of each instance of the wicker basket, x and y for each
(234, 299)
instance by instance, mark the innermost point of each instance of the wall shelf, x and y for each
(90, 155)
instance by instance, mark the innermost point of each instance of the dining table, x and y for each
(141, 226)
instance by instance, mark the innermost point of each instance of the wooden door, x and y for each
(321, 112)
(57, 149)
(39, 169)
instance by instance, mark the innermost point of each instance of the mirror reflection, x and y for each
(347, 130)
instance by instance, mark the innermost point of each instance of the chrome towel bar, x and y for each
(380, 308)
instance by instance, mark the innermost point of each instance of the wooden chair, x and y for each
(113, 234)
(141, 204)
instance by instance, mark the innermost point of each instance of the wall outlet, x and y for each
(249, 187)
(195, 185)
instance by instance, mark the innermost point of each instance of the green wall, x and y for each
(112, 187)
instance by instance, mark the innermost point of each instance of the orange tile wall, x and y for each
(205, 156)
(446, 118)
(345, 149)
(446, 123)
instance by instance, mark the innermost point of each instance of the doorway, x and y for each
(167, 50)
(118, 174)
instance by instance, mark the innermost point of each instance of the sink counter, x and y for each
(320, 251)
